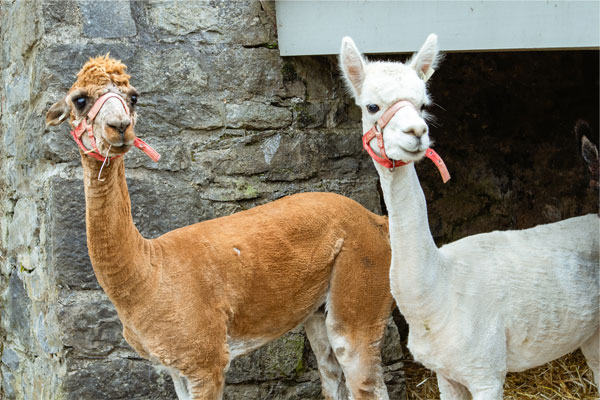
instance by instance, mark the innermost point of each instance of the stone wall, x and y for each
(238, 125)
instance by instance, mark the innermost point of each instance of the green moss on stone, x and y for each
(248, 191)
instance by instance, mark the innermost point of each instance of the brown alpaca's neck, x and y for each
(118, 252)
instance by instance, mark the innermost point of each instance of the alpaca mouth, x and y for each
(121, 148)
(117, 142)
(414, 154)
(120, 144)
(114, 149)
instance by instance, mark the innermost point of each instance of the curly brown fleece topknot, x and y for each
(101, 71)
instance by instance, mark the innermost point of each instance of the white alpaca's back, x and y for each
(540, 285)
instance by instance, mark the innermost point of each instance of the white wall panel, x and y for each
(317, 27)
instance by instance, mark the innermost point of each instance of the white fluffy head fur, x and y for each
(382, 84)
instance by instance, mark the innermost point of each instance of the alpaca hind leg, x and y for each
(358, 308)
(490, 389)
(488, 394)
(332, 377)
(361, 362)
(451, 390)
(591, 351)
(181, 385)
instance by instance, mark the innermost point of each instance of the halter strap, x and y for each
(377, 132)
(86, 125)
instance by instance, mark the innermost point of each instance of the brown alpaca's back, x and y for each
(259, 258)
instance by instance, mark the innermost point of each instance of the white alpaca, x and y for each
(489, 303)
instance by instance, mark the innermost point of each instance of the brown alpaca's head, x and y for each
(113, 125)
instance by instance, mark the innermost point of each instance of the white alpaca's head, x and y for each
(378, 85)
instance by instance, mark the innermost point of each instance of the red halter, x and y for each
(86, 125)
(377, 132)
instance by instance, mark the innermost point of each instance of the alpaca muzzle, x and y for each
(87, 123)
(376, 132)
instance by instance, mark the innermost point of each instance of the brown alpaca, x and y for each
(199, 296)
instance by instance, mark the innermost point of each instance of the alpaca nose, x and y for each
(119, 124)
(417, 129)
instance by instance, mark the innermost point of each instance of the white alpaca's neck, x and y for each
(417, 264)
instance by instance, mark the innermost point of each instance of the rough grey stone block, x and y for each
(175, 156)
(8, 383)
(21, 21)
(275, 391)
(16, 317)
(67, 239)
(58, 145)
(43, 331)
(56, 13)
(239, 72)
(107, 19)
(282, 358)
(23, 225)
(182, 18)
(118, 378)
(210, 22)
(60, 62)
(158, 208)
(90, 326)
(174, 70)
(311, 115)
(10, 358)
(169, 114)
(391, 348)
(252, 115)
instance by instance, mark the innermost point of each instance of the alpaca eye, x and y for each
(372, 108)
(80, 102)
(133, 99)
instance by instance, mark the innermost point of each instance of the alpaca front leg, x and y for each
(591, 351)
(451, 390)
(207, 385)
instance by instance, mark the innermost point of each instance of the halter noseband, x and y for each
(377, 132)
(87, 123)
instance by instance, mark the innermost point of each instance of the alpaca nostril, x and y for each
(119, 125)
(416, 130)
(119, 128)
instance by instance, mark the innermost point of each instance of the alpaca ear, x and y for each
(352, 65)
(58, 113)
(589, 151)
(427, 58)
